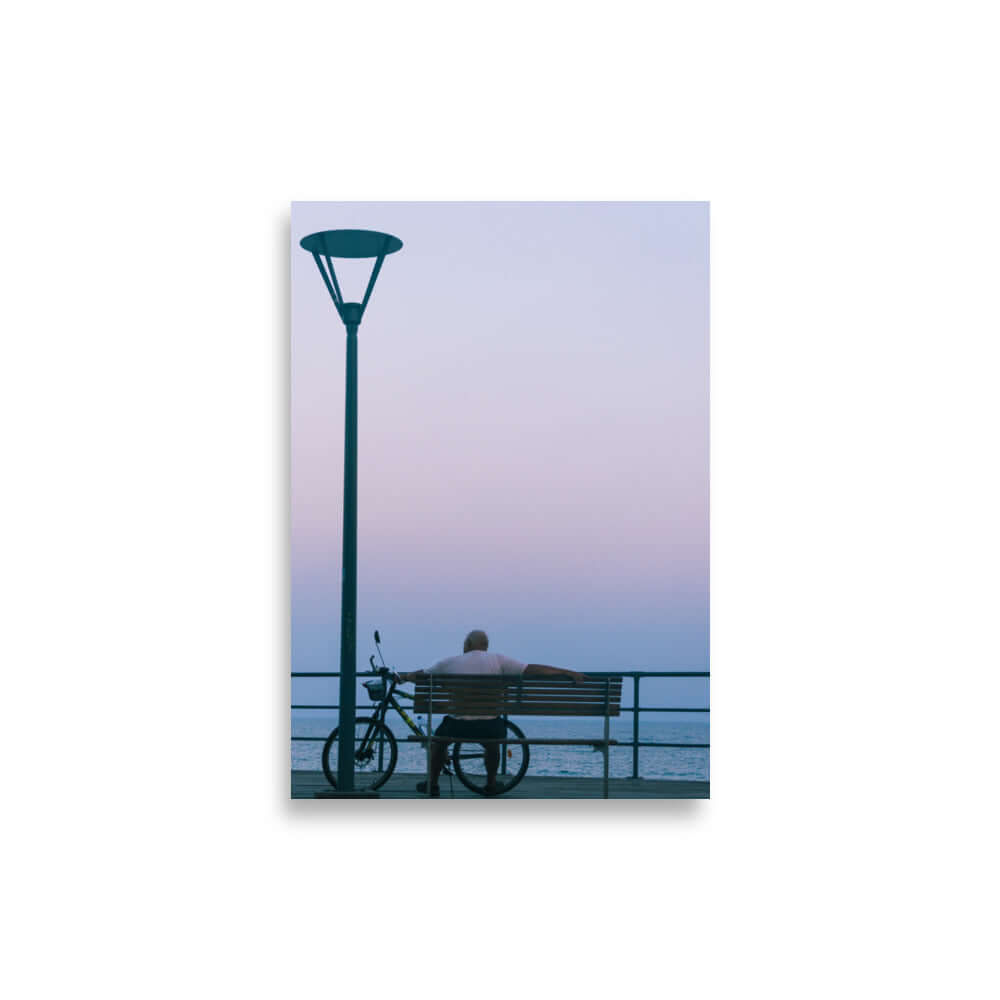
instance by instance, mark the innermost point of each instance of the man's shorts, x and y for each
(471, 729)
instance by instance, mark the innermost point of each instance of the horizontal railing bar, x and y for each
(588, 673)
(632, 708)
(624, 708)
(641, 743)
(596, 739)
(543, 741)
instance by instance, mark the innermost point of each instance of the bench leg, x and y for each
(607, 751)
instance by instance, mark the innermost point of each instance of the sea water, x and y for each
(678, 764)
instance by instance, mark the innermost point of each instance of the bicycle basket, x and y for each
(376, 689)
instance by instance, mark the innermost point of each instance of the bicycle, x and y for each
(377, 749)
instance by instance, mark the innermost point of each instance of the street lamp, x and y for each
(325, 247)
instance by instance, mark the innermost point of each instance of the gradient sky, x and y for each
(533, 436)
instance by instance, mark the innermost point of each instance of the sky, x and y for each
(533, 437)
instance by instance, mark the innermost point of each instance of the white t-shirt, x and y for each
(478, 661)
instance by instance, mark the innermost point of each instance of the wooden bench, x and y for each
(489, 695)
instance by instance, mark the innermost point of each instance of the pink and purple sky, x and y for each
(533, 435)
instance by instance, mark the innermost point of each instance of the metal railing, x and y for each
(635, 708)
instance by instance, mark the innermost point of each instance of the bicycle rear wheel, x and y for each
(375, 753)
(469, 759)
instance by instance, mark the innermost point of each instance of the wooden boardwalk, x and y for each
(403, 786)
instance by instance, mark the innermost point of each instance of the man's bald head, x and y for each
(476, 639)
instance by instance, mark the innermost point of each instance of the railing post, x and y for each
(430, 731)
(635, 726)
(607, 733)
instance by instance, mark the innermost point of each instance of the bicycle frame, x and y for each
(388, 701)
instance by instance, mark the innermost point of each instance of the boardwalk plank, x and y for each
(402, 786)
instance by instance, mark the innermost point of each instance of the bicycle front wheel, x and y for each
(375, 755)
(470, 763)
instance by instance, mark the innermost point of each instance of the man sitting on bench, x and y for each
(475, 659)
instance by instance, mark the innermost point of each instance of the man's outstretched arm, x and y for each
(540, 670)
(412, 676)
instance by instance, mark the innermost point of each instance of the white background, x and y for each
(849, 155)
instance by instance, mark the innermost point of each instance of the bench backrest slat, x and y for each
(461, 694)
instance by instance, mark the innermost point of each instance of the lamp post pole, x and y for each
(325, 247)
(351, 313)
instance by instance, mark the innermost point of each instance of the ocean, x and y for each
(654, 762)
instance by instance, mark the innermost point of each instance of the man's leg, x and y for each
(439, 754)
(492, 754)
(492, 757)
